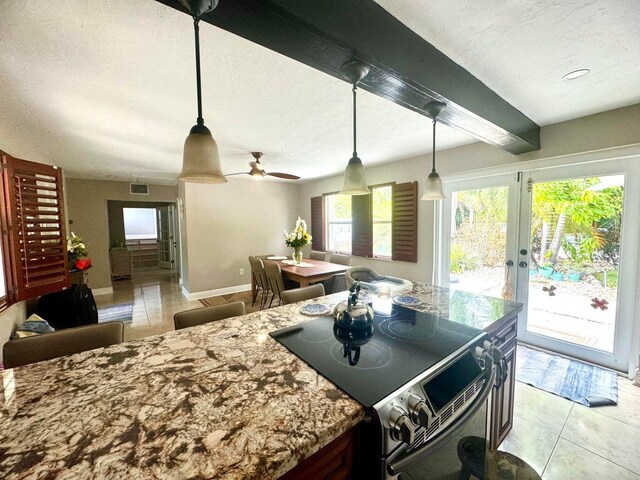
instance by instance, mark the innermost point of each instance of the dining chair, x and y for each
(274, 280)
(317, 255)
(304, 293)
(264, 257)
(23, 351)
(260, 279)
(340, 259)
(334, 284)
(200, 316)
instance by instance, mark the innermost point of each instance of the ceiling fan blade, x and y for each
(237, 173)
(286, 176)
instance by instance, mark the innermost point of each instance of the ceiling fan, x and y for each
(257, 170)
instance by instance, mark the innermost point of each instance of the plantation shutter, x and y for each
(405, 222)
(317, 224)
(361, 241)
(33, 229)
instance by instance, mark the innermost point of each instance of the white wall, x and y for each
(595, 132)
(225, 223)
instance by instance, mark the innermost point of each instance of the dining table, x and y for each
(311, 271)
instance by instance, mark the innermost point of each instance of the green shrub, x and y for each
(461, 260)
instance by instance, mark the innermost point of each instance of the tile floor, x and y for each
(562, 440)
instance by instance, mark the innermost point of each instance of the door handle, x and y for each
(523, 264)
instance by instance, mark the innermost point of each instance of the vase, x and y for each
(297, 256)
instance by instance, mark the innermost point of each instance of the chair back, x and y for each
(317, 255)
(340, 259)
(200, 316)
(274, 277)
(334, 284)
(257, 270)
(39, 348)
(361, 274)
(305, 293)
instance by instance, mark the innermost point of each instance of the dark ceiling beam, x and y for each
(404, 68)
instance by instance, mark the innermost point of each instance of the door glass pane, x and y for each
(575, 247)
(478, 240)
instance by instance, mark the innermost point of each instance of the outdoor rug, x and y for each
(577, 381)
(122, 312)
(244, 297)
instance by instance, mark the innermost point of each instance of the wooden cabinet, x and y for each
(121, 263)
(333, 462)
(504, 337)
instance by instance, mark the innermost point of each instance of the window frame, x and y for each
(390, 222)
(327, 222)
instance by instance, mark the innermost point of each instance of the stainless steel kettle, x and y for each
(353, 313)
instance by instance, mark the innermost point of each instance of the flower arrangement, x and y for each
(299, 236)
(76, 249)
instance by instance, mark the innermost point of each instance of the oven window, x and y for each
(452, 381)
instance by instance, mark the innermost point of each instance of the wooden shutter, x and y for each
(317, 224)
(405, 222)
(361, 241)
(33, 214)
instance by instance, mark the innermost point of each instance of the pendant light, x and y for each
(355, 180)
(433, 187)
(201, 159)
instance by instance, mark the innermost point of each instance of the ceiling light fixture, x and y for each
(201, 159)
(355, 180)
(433, 187)
(576, 74)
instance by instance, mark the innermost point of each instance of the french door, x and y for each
(478, 239)
(578, 246)
(561, 240)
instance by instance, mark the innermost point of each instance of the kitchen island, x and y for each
(223, 400)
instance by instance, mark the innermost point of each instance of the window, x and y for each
(339, 227)
(140, 223)
(382, 224)
(382, 206)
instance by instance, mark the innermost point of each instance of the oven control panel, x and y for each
(418, 411)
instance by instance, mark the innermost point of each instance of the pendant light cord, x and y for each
(355, 153)
(434, 146)
(196, 28)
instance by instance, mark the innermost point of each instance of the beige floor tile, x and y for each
(605, 436)
(627, 411)
(627, 386)
(541, 407)
(569, 461)
(530, 441)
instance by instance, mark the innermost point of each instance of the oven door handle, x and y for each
(396, 466)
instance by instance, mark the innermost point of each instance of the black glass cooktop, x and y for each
(371, 363)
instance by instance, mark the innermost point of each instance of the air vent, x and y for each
(138, 189)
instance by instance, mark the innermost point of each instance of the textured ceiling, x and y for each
(522, 48)
(105, 89)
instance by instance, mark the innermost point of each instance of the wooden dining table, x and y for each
(305, 276)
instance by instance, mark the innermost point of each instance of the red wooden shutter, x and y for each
(317, 224)
(34, 211)
(361, 241)
(405, 222)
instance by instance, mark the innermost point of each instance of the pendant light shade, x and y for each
(355, 179)
(433, 187)
(201, 159)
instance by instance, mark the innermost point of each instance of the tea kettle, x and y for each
(353, 313)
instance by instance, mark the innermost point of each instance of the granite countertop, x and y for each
(222, 400)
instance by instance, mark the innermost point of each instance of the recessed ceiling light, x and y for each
(576, 74)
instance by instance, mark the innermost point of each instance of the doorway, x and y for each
(561, 240)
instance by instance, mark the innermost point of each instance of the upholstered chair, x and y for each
(23, 351)
(200, 316)
(301, 294)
